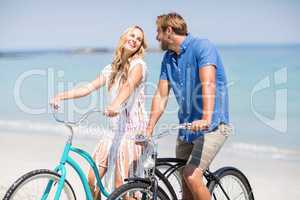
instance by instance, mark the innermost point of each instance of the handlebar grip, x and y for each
(184, 125)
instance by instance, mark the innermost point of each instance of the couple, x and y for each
(193, 68)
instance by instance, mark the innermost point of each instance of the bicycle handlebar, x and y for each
(138, 138)
(83, 117)
(143, 138)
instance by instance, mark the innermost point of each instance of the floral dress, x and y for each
(118, 152)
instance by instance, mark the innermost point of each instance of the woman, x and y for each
(117, 156)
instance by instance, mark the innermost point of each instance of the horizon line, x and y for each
(105, 49)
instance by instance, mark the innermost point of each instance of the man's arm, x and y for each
(159, 103)
(207, 75)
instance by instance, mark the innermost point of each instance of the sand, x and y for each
(273, 179)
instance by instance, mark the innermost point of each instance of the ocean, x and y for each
(263, 87)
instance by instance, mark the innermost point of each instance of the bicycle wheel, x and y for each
(173, 185)
(170, 168)
(138, 191)
(232, 185)
(33, 184)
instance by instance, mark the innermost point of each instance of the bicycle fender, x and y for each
(138, 179)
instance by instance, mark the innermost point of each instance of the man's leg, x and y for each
(193, 177)
(186, 193)
(183, 151)
(204, 151)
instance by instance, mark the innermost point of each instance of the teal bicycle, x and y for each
(45, 184)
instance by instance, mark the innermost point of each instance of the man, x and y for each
(193, 68)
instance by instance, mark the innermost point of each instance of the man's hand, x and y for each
(199, 125)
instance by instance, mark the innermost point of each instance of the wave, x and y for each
(23, 126)
(260, 150)
(95, 130)
(27, 126)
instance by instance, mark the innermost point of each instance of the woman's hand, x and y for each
(149, 132)
(55, 101)
(111, 111)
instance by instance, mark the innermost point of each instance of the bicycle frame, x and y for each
(65, 158)
(61, 169)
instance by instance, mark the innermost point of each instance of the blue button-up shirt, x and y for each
(182, 72)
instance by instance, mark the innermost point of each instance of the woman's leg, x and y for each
(93, 183)
(126, 164)
(101, 158)
(122, 166)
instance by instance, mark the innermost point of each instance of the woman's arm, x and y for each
(134, 78)
(79, 92)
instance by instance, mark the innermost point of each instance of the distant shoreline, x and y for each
(28, 52)
(96, 50)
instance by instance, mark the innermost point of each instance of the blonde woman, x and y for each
(117, 155)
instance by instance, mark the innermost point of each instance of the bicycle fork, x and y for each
(154, 183)
(154, 186)
(212, 177)
(60, 186)
(61, 169)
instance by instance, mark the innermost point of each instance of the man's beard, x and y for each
(164, 46)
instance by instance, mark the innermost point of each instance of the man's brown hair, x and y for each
(173, 20)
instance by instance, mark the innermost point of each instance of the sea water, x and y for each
(263, 82)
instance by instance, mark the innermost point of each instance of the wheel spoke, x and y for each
(32, 186)
(136, 191)
(233, 187)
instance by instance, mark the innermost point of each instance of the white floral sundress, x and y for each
(121, 151)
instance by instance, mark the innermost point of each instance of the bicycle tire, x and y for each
(169, 169)
(171, 184)
(14, 191)
(142, 187)
(233, 182)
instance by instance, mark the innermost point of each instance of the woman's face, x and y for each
(133, 40)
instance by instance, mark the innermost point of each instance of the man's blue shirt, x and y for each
(182, 72)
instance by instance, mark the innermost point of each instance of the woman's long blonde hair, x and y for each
(120, 63)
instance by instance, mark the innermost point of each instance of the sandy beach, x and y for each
(270, 178)
(249, 48)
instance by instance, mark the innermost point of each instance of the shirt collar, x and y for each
(185, 43)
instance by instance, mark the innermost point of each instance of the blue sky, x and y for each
(36, 24)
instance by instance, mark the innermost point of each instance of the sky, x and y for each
(40, 24)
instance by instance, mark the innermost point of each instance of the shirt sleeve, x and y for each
(206, 54)
(163, 70)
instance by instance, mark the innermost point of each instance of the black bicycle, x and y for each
(163, 181)
(226, 183)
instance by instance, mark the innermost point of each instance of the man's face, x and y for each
(162, 38)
